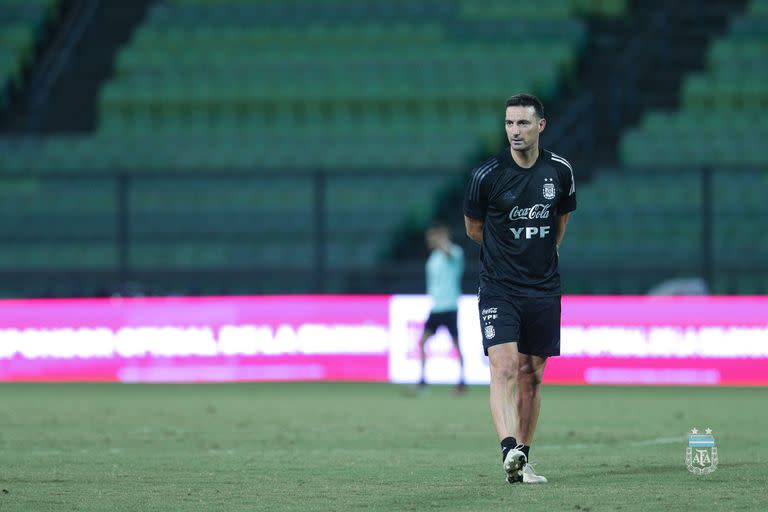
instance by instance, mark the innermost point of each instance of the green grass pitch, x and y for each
(313, 446)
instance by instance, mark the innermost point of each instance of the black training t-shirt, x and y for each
(520, 208)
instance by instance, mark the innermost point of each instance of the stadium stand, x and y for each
(220, 113)
(247, 86)
(653, 223)
(720, 126)
(20, 25)
(732, 93)
(650, 223)
(251, 85)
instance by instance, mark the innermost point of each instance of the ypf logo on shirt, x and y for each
(530, 232)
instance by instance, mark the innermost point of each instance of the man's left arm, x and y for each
(562, 222)
(567, 202)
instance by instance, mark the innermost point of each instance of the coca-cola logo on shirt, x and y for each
(537, 211)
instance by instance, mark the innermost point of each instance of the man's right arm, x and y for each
(474, 229)
(476, 199)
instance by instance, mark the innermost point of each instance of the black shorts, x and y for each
(533, 322)
(447, 319)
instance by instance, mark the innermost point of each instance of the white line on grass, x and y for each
(584, 446)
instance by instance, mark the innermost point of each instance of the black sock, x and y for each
(526, 450)
(507, 444)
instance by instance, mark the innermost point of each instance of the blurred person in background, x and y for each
(516, 206)
(444, 269)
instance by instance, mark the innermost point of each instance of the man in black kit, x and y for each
(516, 206)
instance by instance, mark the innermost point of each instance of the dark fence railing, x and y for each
(335, 232)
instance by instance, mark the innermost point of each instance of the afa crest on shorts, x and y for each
(549, 188)
(701, 453)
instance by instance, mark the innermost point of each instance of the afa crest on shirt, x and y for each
(549, 189)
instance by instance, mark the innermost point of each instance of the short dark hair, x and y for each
(527, 100)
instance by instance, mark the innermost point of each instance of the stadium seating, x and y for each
(740, 214)
(360, 84)
(271, 91)
(647, 223)
(721, 125)
(20, 23)
(652, 222)
(369, 88)
(722, 117)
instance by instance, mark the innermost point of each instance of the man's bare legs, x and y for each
(530, 370)
(503, 361)
(515, 391)
(515, 405)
